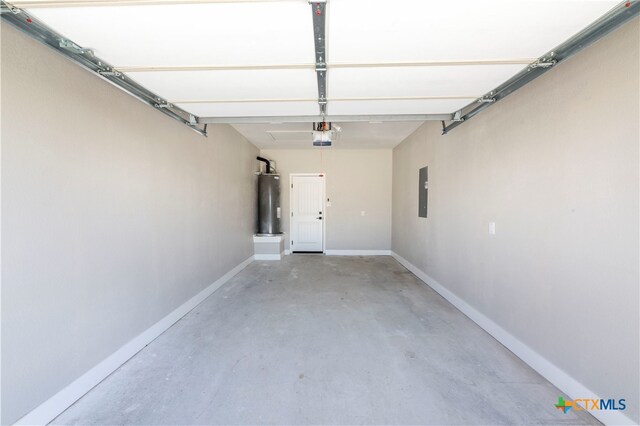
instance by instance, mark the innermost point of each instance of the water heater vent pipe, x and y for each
(268, 163)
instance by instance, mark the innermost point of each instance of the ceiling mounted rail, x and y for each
(135, 68)
(86, 59)
(376, 118)
(620, 14)
(45, 4)
(318, 9)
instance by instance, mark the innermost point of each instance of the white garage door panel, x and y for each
(440, 106)
(190, 34)
(251, 109)
(246, 33)
(413, 30)
(230, 85)
(472, 81)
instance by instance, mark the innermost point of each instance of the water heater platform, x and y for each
(268, 247)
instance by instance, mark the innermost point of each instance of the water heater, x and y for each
(269, 212)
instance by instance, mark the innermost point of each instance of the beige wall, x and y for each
(113, 215)
(555, 165)
(357, 180)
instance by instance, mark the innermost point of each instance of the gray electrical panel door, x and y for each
(423, 192)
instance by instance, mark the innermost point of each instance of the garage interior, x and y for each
(320, 212)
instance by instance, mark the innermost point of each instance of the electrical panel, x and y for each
(423, 192)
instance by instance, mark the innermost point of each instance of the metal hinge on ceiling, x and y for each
(542, 64)
(486, 100)
(110, 72)
(72, 47)
(546, 62)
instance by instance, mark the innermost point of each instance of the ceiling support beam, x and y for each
(86, 59)
(622, 13)
(318, 9)
(376, 118)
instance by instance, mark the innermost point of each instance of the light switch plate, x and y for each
(492, 228)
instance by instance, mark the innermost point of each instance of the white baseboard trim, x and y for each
(357, 252)
(54, 406)
(267, 257)
(558, 377)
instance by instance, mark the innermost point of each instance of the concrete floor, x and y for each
(323, 340)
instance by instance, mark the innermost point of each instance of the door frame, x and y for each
(324, 205)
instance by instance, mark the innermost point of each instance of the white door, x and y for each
(307, 213)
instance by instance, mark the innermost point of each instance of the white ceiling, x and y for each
(384, 57)
(351, 136)
(219, 33)
(441, 30)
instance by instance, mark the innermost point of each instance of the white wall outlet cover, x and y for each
(492, 228)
